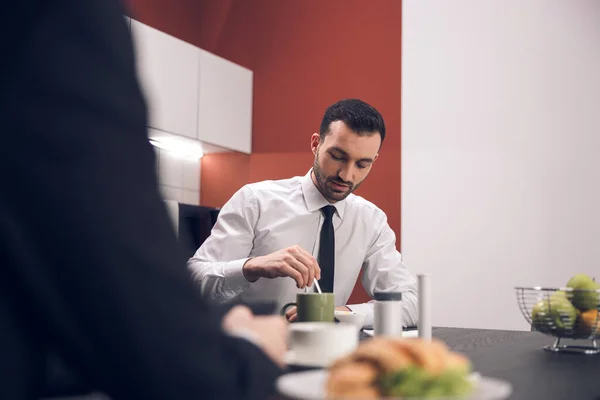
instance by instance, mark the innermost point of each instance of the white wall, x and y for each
(500, 143)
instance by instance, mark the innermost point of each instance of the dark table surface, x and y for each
(519, 358)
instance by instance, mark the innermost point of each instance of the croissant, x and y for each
(388, 366)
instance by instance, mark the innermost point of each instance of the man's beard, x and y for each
(326, 190)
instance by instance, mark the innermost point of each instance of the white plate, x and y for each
(310, 385)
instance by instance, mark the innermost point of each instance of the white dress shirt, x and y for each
(265, 217)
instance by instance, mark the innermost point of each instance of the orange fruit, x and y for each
(589, 323)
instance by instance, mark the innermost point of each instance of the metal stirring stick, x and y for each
(317, 286)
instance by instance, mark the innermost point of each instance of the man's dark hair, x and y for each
(359, 116)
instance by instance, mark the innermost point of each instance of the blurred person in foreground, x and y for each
(89, 263)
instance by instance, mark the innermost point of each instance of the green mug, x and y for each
(313, 307)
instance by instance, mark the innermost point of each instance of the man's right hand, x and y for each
(294, 262)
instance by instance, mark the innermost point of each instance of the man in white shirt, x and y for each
(271, 231)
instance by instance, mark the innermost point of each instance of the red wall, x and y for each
(305, 55)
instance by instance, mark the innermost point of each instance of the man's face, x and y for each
(342, 160)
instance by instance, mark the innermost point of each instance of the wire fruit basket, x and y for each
(563, 313)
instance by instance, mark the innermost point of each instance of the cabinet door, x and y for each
(225, 109)
(168, 72)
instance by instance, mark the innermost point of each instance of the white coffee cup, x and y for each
(321, 343)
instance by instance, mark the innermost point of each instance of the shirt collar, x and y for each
(315, 200)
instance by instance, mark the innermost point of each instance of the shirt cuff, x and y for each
(234, 276)
(364, 308)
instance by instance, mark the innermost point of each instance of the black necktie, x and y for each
(327, 250)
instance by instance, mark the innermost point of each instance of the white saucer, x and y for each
(310, 385)
(291, 359)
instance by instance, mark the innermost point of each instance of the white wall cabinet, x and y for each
(225, 103)
(192, 92)
(168, 71)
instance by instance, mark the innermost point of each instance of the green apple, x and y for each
(540, 317)
(562, 311)
(556, 311)
(584, 295)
